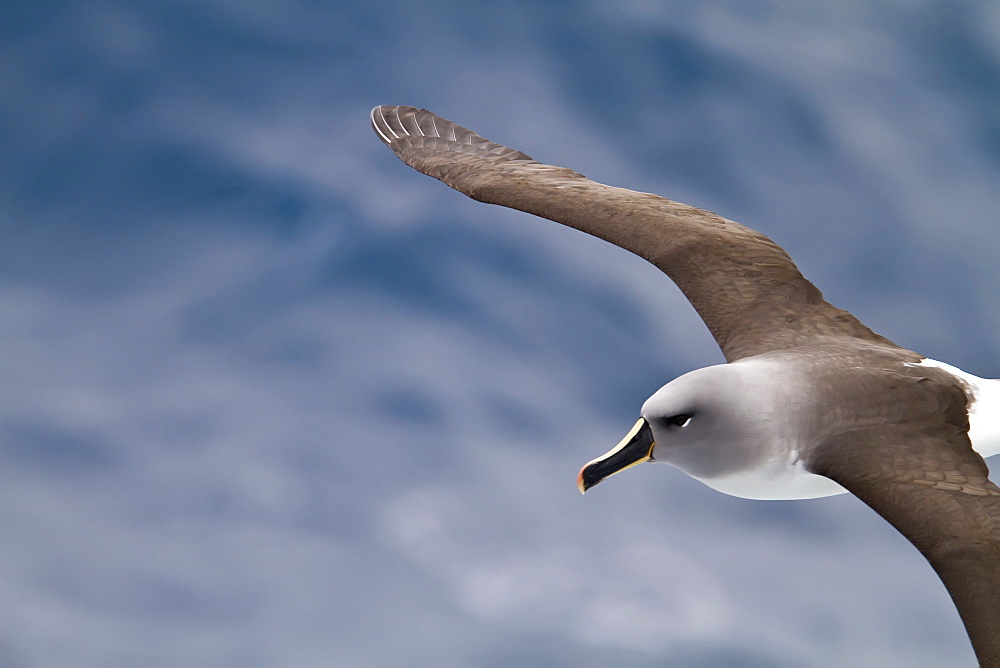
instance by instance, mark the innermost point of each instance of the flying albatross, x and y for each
(811, 402)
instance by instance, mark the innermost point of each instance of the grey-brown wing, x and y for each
(743, 285)
(929, 483)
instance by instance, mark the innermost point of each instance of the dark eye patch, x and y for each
(679, 420)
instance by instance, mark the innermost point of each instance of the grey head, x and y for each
(740, 428)
(712, 422)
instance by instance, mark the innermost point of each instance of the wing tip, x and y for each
(399, 126)
(392, 122)
(381, 126)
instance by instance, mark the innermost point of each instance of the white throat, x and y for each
(777, 483)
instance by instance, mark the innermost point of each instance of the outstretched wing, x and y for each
(929, 483)
(743, 285)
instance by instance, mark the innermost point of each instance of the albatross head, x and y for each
(709, 423)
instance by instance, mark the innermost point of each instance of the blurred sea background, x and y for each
(269, 397)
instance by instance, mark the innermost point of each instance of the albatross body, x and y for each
(810, 403)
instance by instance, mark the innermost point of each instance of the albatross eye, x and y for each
(680, 420)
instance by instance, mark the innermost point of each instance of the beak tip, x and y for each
(635, 448)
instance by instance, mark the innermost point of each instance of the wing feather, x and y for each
(930, 484)
(745, 287)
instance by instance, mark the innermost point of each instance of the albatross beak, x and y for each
(635, 448)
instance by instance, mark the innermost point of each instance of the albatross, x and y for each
(810, 401)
